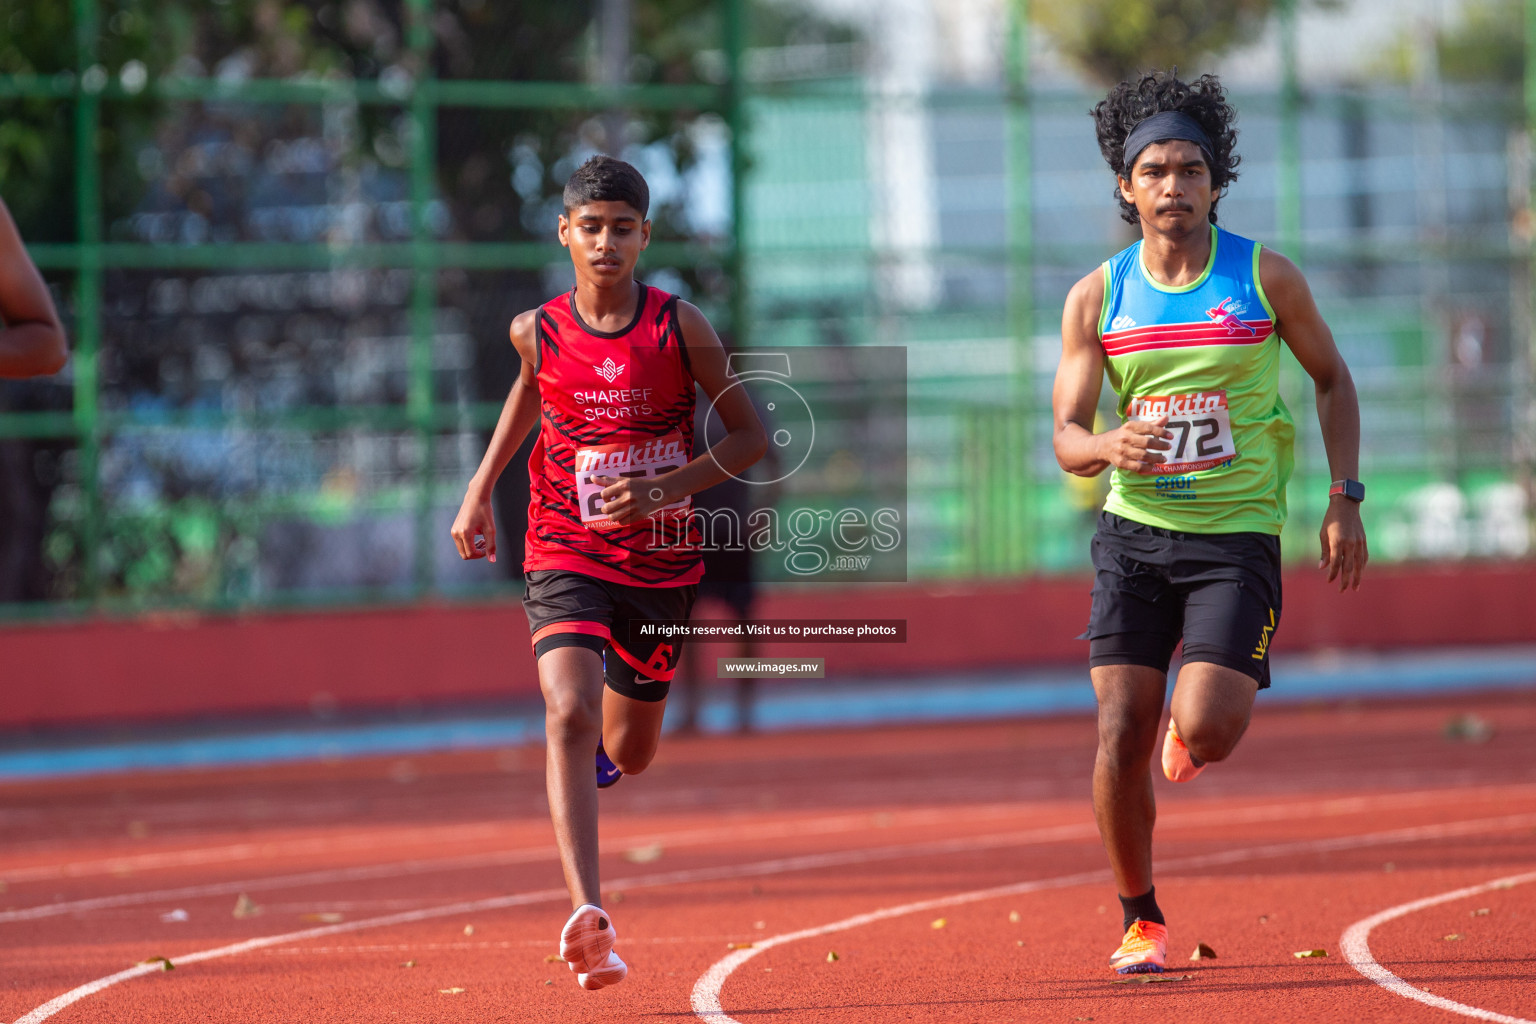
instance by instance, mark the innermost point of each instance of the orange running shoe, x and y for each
(1144, 949)
(1178, 763)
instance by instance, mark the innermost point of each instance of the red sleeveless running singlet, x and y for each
(613, 404)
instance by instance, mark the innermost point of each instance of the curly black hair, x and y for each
(1204, 99)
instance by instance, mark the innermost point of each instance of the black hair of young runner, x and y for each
(1131, 102)
(607, 179)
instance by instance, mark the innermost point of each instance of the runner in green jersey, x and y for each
(1188, 324)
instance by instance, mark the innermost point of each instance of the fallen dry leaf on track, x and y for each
(469, 929)
(549, 981)
(409, 963)
(1468, 728)
(325, 917)
(1013, 918)
(450, 991)
(164, 962)
(738, 945)
(245, 906)
(1305, 953)
(554, 958)
(1479, 912)
(1203, 952)
(940, 923)
(1150, 979)
(647, 854)
(1454, 937)
(832, 957)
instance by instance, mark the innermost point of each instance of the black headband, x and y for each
(1165, 127)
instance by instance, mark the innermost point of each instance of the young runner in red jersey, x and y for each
(608, 373)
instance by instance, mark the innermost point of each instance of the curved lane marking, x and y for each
(706, 992)
(778, 866)
(1356, 946)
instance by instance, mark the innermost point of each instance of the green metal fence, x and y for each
(107, 546)
(1408, 209)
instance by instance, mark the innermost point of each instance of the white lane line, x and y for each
(394, 869)
(1357, 948)
(706, 992)
(768, 867)
(449, 834)
(1329, 807)
(779, 866)
(745, 831)
(199, 856)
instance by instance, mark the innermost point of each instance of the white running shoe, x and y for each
(611, 973)
(586, 943)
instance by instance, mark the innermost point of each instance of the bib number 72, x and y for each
(1200, 424)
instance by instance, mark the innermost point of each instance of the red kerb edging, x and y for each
(184, 665)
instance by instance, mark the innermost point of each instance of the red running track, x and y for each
(427, 889)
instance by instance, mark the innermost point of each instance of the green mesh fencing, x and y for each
(289, 329)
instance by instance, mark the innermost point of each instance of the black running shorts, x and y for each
(1218, 592)
(572, 609)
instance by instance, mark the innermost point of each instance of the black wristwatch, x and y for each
(1354, 490)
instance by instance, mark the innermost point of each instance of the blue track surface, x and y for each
(781, 706)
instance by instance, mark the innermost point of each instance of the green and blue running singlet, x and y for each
(1206, 355)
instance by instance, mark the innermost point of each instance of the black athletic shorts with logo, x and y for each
(572, 609)
(1219, 592)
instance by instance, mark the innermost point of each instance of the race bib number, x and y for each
(640, 460)
(1201, 428)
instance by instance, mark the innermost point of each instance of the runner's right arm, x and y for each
(518, 417)
(1134, 445)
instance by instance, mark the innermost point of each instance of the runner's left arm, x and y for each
(743, 444)
(1298, 321)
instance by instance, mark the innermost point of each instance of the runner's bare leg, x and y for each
(631, 730)
(1130, 711)
(572, 681)
(1212, 705)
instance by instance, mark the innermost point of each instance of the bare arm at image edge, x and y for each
(32, 342)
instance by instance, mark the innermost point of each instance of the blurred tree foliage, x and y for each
(1113, 40)
(1487, 45)
(499, 173)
